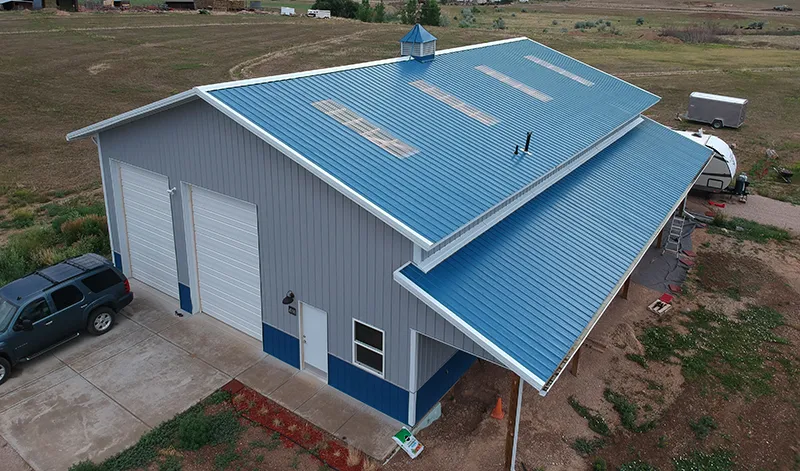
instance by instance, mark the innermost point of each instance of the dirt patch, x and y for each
(97, 68)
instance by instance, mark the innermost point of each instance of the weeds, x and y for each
(719, 350)
(744, 229)
(223, 460)
(170, 463)
(218, 397)
(718, 460)
(599, 464)
(597, 423)
(636, 358)
(637, 466)
(588, 447)
(697, 34)
(628, 412)
(703, 427)
(20, 218)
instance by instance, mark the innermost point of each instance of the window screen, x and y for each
(66, 297)
(101, 281)
(368, 347)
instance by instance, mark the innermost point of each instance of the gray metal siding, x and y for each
(331, 252)
(431, 355)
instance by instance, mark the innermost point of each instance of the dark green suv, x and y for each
(54, 305)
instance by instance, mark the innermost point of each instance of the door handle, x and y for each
(49, 323)
(84, 305)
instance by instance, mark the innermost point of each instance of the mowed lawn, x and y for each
(61, 73)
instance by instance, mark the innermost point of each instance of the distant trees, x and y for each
(408, 14)
(340, 8)
(364, 12)
(431, 13)
(380, 13)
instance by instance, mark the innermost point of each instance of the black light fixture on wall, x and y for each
(289, 298)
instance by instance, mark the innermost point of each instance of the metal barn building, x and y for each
(415, 213)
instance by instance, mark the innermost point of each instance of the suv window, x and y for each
(66, 297)
(7, 311)
(101, 281)
(36, 311)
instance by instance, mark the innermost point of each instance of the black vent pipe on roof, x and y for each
(528, 141)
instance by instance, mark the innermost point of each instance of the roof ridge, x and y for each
(341, 68)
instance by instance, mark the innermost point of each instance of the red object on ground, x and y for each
(665, 298)
(294, 430)
(686, 261)
(674, 288)
(714, 203)
(233, 386)
(689, 253)
(497, 413)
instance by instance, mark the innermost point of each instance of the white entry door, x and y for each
(228, 267)
(148, 226)
(315, 340)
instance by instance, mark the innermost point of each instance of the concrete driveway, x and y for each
(96, 396)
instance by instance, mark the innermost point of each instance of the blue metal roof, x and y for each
(532, 283)
(418, 34)
(463, 167)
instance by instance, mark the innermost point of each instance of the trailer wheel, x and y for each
(717, 124)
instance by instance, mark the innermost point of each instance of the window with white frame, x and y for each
(368, 347)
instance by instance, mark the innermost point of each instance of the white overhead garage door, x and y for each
(226, 237)
(148, 222)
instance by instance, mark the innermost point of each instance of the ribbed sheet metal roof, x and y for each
(463, 167)
(532, 283)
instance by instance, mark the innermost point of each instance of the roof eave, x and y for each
(134, 114)
(468, 330)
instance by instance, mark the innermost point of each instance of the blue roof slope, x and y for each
(532, 283)
(463, 167)
(418, 34)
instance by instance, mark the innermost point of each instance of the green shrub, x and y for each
(22, 217)
(499, 24)
(599, 464)
(638, 466)
(85, 465)
(640, 21)
(703, 427)
(718, 460)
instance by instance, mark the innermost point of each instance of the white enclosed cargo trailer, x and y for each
(717, 110)
(287, 11)
(720, 169)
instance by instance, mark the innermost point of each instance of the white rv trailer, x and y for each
(716, 110)
(319, 13)
(720, 169)
(287, 11)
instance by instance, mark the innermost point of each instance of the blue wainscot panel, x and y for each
(368, 388)
(281, 345)
(118, 260)
(441, 382)
(185, 295)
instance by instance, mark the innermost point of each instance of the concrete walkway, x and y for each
(96, 396)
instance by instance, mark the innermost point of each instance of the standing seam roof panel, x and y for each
(463, 167)
(554, 261)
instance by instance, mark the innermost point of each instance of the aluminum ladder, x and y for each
(673, 244)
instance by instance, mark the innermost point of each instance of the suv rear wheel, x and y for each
(5, 370)
(100, 321)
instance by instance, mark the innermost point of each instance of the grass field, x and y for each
(64, 72)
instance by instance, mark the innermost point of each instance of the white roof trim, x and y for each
(467, 329)
(515, 201)
(726, 99)
(323, 175)
(142, 111)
